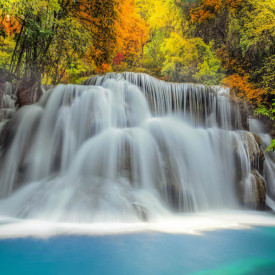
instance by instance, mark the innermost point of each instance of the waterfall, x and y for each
(129, 147)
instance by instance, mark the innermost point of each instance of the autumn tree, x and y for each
(243, 35)
(131, 31)
(100, 17)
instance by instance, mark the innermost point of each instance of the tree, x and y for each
(41, 25)
(131, 31)
(191, 60)
(243, 33)
(83, 28)
(100, 17)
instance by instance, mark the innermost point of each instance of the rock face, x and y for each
(250, 159)
(7, 101)
(260, 190)
(252, 191)
(11, 98)
(29, 96)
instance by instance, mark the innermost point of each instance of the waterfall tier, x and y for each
(125, 147)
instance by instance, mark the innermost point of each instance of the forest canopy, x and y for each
(214, 42)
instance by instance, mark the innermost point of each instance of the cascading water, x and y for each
(128, 147)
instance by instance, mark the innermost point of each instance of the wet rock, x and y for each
(174, 195)
(261, 190)
(170, 189)
(28, 96)
(249, 171)
(252, 146)
(124, 163)
(259, 157)
(8, 132)
(252, 191)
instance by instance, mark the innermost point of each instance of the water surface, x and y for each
(250, 251)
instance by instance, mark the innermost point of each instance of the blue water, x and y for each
(216, 252)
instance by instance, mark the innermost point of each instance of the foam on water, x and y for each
(195, 224)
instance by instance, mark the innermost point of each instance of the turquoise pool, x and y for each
(250, 251)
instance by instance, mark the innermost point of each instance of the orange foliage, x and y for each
(99, 17)
(233, 4)
(230, 64)
(119, 30)
(104, 68)
(243, 88)
(238, 81)
(208, 9)
(131, 30)
(9, 24)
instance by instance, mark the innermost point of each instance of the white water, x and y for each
(186, 224)
(125, 152)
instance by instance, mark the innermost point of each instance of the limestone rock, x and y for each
(252, 191)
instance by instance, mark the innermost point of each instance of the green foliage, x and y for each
(153, 53)
(210, 70)
(79, 70)
(163, 18)
(190, 60)
(40, 24)
(271, 147)
(6, 48)
(253, 26)
(264, 74)
(74, 41)
(53, 35)
(265, 111)
(199, 41)
(257, 27)
(171, 52)
(262, 110)
(243, 33)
